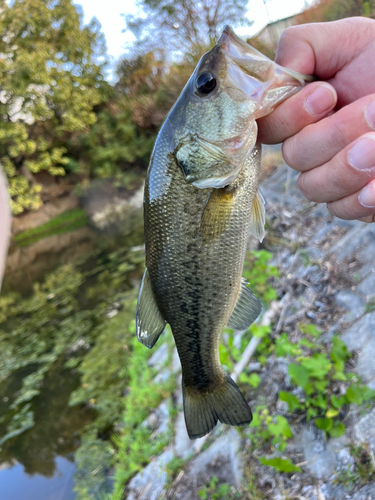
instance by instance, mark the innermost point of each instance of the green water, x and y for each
(63, 356)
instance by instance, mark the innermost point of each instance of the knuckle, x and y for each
(305, 187)
(289, 153)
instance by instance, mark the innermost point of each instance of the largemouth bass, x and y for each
(200, 204)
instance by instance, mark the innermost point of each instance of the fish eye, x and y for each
(205, 83)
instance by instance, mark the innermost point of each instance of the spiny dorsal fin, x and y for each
(246, 310)
(149, 322)
(217, 213)
(258, 217)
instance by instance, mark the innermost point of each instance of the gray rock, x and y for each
(340, 492)
(149, 483)
(222, 459)
(359, 242)
(351, 302)
(364, 430)
(160, 357)
(367, 286)
(361, 337)
(321, 456)
(183, 445)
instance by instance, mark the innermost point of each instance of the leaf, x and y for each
(331, 413)
(337, 402)
(299, 375)
(318, 365)
(337, 430)
(324, 423)
(291, 399)
(281, 464)
(353, 395)
(280, 427)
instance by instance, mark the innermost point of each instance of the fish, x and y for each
(200, 203)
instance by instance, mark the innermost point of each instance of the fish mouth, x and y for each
(251, 75)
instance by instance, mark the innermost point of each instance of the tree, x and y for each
(50, 80)
(184, 26)
(332, 10)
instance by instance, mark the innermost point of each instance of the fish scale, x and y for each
(200, 204)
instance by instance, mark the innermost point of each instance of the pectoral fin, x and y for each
(246, 310)
(217, 213)
(258, 217)
(149, 322)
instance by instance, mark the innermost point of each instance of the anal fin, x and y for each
(150, 323)
(246, 309)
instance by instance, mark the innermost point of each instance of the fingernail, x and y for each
(362, 154)
(321, 100)
(370, 114)
(367, 196)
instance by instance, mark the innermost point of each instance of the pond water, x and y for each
(42, 431)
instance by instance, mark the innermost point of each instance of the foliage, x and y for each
(259, 273)
(214, 490)
(281, 464)
(184, 26)
(64, 316)
(361, 471)
(134, 441)
(63, 223)
(332, 10)
(317, 373)
(268, 430)
(50, 82)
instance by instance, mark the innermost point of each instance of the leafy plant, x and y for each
(316, 372)
(214, 490)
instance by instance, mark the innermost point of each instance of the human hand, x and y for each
(329, 127)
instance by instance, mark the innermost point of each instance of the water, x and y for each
(38, 464)
(15, 483)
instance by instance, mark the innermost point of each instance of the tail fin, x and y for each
(225, 403)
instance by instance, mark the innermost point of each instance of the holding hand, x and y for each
(328, 128)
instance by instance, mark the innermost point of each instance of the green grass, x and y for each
(63, 223)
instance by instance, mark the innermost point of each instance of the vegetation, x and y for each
(184, 26)
(63, 223)
(50, 82)
(332, 10)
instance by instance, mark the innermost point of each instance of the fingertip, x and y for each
(321, 100)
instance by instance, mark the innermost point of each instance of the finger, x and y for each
(308, 106)
(313, 48)
(359, 205)
(350, 170)
(317, 143)
(369, 219)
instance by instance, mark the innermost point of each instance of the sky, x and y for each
(108, 13)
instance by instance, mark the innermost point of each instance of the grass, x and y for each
(66, 222)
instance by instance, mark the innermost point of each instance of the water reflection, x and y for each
(55, 432)
(15, 484)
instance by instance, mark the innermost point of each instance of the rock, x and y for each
(159, 358)
(351, 302)
(110, 208)
(222, 459)
(340, 492)
(364, 430)
(149, 483)
(321, 456)
(158, 419)
(183, 445)
(361, 337)
(367, 286)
